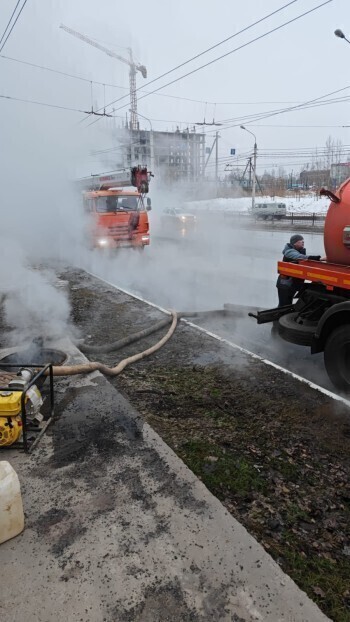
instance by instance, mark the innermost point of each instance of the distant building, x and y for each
(339, 173)
(314, 177)
(174, 156)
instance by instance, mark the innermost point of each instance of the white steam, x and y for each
(33, 305)
(42, 219)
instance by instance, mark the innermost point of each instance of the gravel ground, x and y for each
(274, 451)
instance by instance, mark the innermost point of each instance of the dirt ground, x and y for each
(274, 451)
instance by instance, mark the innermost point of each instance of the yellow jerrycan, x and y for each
(11, 507)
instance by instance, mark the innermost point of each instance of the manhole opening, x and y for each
(32, 356)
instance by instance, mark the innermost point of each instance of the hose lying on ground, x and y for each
(126, 341)
(65, 370)
(86, 368)
(235, 310)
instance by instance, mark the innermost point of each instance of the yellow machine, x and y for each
(11, 424)
(10, 417)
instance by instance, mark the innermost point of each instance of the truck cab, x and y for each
(118, 208)
(118, 218)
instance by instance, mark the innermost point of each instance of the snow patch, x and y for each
(310, 204)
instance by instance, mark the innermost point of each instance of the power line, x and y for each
(38, 103)
(299, 149)
(307, 106)
(14, 23)
(231, 51)
(206, 51)
(308, 153)
(337, 100)
(290, 108)
(62, 73)
(289, 126)
(209, 49)
(301, 106)
(142, 90)
(9, 22)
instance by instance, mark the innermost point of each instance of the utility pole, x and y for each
(188, 155)
(216, 161)
(254, 164)
(216, 144)
(254, 175)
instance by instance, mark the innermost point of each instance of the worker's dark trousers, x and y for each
(285, 296)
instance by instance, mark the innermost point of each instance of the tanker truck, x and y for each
(320, 315)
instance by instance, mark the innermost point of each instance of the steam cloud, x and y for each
(42, 222)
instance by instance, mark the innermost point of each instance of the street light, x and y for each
(151, 145)
(254, 164)
(339, 33)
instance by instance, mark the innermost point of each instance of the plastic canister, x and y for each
(11, 507)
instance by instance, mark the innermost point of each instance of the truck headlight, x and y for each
(102, 242)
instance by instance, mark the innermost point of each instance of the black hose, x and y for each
(231, 310)
(122, 343)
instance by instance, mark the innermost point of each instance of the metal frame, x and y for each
(330, 275)
(25, 443)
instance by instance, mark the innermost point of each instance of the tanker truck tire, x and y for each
(337, 357)
(292, 331)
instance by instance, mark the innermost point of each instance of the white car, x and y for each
(175, 217)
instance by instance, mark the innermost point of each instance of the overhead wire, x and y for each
(285, 154)
(255, 117)
(142, 90)
(206, 51)
(9, 22)
(38, 103)
(304, 105)
(14, 24)
(292, 126)
(314, 103)
(245, 118)
(163, 120)
(290, 21)
(62, 73)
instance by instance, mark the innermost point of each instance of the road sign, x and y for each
(207, 150)
(233, 152)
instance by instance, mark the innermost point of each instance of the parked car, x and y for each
(269, 211)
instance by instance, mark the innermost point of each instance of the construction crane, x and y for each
(134, 67)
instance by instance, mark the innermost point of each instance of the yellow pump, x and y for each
(10, 417)
(11, 425)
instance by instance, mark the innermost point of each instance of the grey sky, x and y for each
(300, 62)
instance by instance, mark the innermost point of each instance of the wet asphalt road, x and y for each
(217, 263)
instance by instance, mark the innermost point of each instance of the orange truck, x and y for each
(320, 316)
(118, 208)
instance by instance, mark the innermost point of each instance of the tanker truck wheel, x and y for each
(337, 357)
(291, 329)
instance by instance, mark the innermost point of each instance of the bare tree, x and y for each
(333, 152)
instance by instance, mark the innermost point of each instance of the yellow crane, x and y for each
(134, 67)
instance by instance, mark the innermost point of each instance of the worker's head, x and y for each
(297, 241)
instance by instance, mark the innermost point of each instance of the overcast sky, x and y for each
(300, 62)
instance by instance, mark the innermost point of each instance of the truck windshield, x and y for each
(117, 204)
